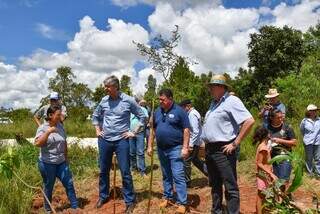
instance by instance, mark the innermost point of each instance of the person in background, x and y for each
(273, 102)
(195, 142)
(111, 120)
(54, 99)
(172, 134)
(265, 174)
(137, 143)
(310, 130)
(53, 159)
(283, 139)
(226, 124)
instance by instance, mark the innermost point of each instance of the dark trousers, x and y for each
(222, 171)
(121, 148)
(193, 158)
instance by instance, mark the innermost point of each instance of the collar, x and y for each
(171, 107)
(120, 95)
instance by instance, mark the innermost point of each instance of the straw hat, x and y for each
(272, 93)
(219, 79)
(312, 107)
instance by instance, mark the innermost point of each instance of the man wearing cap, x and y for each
(272, 103)
(310, 130)
(172, 134)
(42, 112)
(226, 124)
(111, 120)
(195, 142)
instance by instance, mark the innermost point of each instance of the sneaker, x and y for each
(101, 202)
(165, 203)
(181, 209)
(130, 208)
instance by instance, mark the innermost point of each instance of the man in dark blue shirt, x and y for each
(172, 134)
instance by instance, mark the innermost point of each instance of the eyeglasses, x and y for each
(164, 117)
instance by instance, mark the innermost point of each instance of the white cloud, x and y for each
(50, 32)
(92, 54)
(217, 37)
(300, 16)
(214, 36)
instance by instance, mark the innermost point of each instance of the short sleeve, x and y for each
(40, 131)
(184, 119)
(238, 111)
(290, 133)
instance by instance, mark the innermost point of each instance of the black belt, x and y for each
(217, 145)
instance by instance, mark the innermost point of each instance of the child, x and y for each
(264, 170)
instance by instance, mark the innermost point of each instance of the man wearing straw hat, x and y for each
(111, 119)
(226, 124)
(272, 103)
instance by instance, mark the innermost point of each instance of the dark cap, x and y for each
(185, 102)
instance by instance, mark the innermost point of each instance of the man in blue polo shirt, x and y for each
(226, 124)
(172, 134)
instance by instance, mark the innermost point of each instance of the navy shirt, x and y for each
(169, 126)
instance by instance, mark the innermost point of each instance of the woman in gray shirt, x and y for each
(51, 139)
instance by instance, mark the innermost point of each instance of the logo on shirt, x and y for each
(171, 116)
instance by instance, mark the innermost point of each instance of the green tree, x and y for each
(98, 94)
(81, 95)
(63, 84)
(151, 86)
(125, 84)
(160, 53)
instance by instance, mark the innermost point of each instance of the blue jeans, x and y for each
(222, 172)
(121, 148)
(312, 155)
(172, 167)
(137, 153)
(49, 172)
(282, 170)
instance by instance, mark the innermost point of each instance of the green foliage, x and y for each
(297, 91)
(278, 201)
(8, 162)
(151, 86)
(160, 54)
(79, 114)
(125, 84)
(18, 115)
(72, 93)
(98, 94)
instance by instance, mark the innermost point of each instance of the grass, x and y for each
(28, 129)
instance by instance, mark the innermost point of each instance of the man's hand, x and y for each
(128, 134)
(184, 153)
(229, 148)
(99, 133)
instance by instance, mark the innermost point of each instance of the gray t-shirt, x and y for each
(42, 112)
(53, 151)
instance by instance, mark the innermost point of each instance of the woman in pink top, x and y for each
(264, 170)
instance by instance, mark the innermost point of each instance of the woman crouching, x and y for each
(51, 139)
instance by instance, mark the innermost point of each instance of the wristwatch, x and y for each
(234, 144)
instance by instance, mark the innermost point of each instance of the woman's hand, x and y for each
(52, 129)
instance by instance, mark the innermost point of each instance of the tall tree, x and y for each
(125, 84)
(81, 95)
(151, 86)
(63, 83)
(161, 53)
(275, 52)
(98, 94)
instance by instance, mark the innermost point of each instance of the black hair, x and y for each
(260, 134)
(272, 114)
(166, 92)
(51, 110)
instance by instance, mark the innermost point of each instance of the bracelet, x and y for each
(234, 144)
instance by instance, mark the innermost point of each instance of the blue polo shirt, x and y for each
(169, 126)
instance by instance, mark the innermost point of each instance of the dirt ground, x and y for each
(199, 197)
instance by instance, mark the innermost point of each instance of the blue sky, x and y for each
(94, 38)
(19, 20)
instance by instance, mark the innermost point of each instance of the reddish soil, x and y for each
(199, 198)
